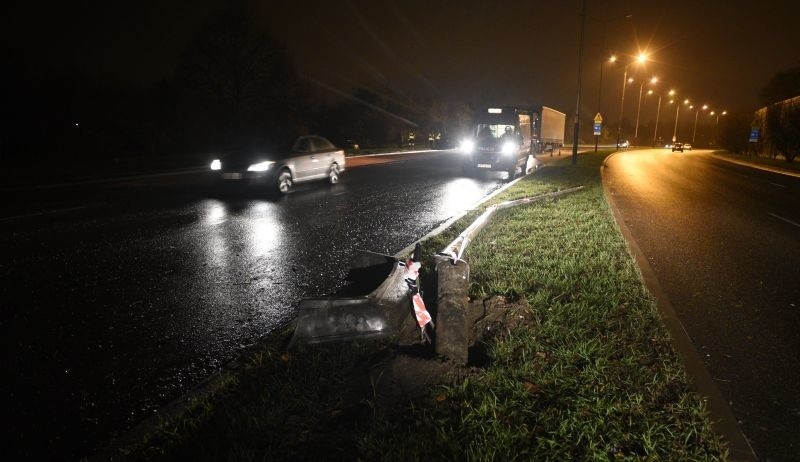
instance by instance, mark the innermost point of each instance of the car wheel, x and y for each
(512, 172)
(284, 181)
(333, 174)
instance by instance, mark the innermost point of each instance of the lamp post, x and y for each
(658, 114)
(716, 123)
(677, 110)
(612, 59)
(639, 108)
(578, 103)
(696, 113)
(639, 60)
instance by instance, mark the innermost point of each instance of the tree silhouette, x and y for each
(783, 85)
(242, 77)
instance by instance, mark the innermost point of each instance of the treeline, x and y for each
(235, 84)
(778, 121)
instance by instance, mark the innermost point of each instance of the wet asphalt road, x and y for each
(118, 297)
(724, 242)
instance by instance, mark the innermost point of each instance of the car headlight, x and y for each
(509, 147)
(260, 167)
(216, 164)
(467, 146)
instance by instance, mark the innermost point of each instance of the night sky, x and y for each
(716, 52)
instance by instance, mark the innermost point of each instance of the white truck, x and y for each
(507, 138)
(549, 131)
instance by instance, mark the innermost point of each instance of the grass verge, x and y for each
(592, 377)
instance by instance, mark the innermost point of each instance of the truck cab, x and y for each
(500, 141)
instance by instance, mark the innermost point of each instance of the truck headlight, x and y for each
(467, 146)
(509, 147)
(260, 167)
(216, 164)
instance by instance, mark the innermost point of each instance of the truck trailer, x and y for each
(549, 131)
(508, 138)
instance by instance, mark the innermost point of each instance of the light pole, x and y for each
(658, 114)
(677, 110)
(639, 109)
(639, 60)
(696, 113)
(612, 59)
(578, 103)
(716, 123)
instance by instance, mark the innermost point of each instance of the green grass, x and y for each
(593, 377)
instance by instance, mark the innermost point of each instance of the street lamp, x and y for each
(612, 59)
(696, 113)
(639, 60)
(677, 110)
(658, 113)
(639, 109)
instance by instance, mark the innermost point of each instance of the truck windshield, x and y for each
(496, 131)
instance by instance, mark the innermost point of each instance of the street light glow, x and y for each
(686, 101)
(641, 58)
(649, 92)
(705, 106)
(630, 80)
(612, 59)
(654, 79)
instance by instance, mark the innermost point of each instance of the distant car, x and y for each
(687, 146)
(624, 144)
(677, 147)
(281, 164)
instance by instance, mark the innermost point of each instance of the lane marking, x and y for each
(785, 219)
(41, 214)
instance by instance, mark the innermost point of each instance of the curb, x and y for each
(766, 168)
(724, 422)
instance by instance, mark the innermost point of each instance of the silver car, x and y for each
(279, 167)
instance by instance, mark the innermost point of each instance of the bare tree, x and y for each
(242, 76)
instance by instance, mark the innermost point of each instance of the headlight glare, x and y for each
(509, 147)
(260, 167)
(216, 164)
(467, 146)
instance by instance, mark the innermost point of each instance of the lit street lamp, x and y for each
(639, 108)
(639, 60)
(658, 113)
(612, 59)
(677, 110)
(696, 113)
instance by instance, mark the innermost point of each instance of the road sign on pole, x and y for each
(754, 132)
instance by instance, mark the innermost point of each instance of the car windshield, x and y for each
(495, 131)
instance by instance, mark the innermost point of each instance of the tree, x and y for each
(734, 131)
(783, 127)
(242, 77)
(783, 85)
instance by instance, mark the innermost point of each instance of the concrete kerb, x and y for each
(723, 420)
(763, 167)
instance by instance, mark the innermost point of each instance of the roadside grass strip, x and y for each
(592, 377)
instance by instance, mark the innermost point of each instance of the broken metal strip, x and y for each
(456, 249)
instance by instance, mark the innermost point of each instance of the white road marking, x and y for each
(785, 219)
(39, 214)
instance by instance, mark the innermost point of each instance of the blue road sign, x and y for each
(598, 128)
(754, 132)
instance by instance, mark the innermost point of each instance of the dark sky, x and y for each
(719, 52)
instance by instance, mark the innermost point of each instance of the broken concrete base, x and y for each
(451, 309)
